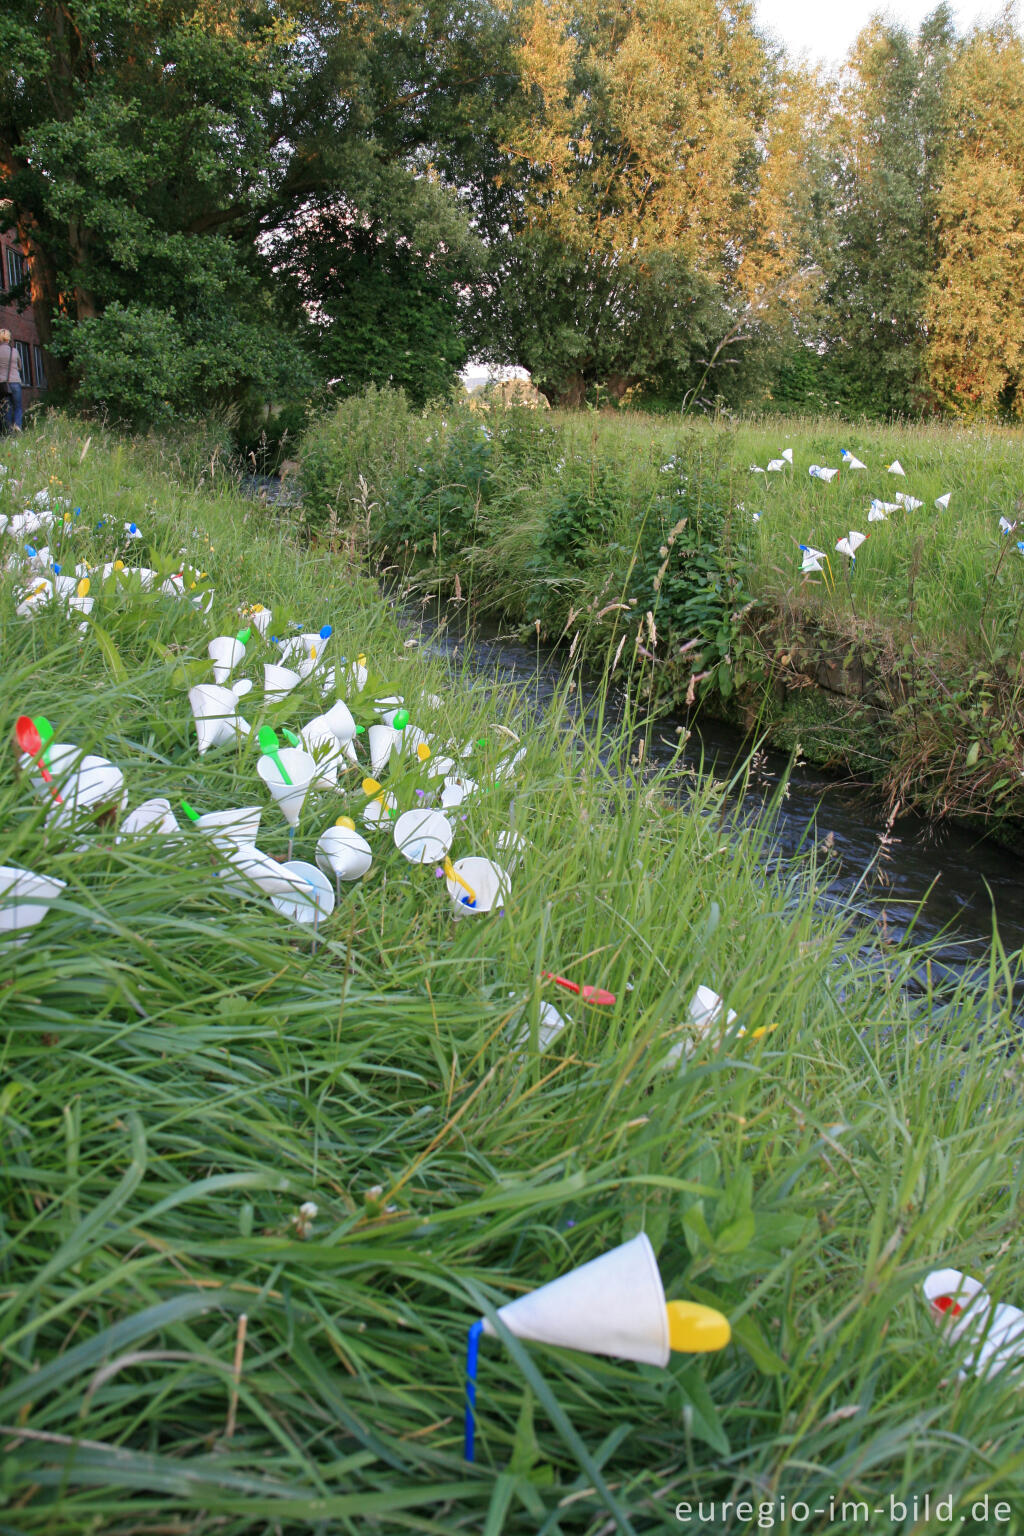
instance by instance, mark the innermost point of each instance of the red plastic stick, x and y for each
(30, 741)
(596, 995)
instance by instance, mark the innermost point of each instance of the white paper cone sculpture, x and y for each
(896, 468)
(382, 742)
(343, 853)
(312, 903)
(25, 899)
(153, 818)
(550, 1024)
(259, 869)
(278, 682)
(225, 652)
(850, 460)
(820, 473)
(300, 768)
(489, 883)
(990, 1333)
(942, 502)
(910, 503)
(325, 749)
(615, 1305)
(258, 616)
(423, 837)
(235, 828)
(217, 717)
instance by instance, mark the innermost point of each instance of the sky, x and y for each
(825, 31)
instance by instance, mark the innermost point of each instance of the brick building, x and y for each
(20, 322)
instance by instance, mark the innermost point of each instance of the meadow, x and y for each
(901, 666)
(184, 1069)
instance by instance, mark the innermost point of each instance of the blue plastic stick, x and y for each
(472, 1353)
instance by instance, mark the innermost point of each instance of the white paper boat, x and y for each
(216, 714)
(343, 853)
(911, 503)
(313, 902)
(278, 681)
(820, 473)
(490, 884)
(423, 836)
(225, 652)
(237, 827)
(25, 899)
(153, 818)
(812, 558)
(615, 1305)
(300, 768)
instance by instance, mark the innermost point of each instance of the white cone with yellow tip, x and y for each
(615, 1305)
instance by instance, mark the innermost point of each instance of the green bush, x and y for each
(368, 438)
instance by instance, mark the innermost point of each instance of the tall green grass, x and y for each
(180, 1072)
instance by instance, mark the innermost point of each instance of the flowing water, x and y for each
(940, 880)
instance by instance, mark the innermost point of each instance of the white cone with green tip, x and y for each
(225, 652)
(615, 1305)
(300, 768)
(382, 742)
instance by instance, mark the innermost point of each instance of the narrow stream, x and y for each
(943, 881)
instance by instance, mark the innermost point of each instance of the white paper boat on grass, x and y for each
(235, 828)
(310, 904)
(343, 853)
(989, 1334)
(819, 472)
(216, 714)
(300, 768)
(884, 506)
(226, 653)
(489, 883)
(850, 460)
(25, 899)
(616, 1306)
(278, 681)
(423, 836)
(153, 818)
(911, 503)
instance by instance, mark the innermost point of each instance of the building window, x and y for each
(26, 361)
(15, 267)
(37, 367)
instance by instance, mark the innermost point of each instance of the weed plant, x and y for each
(181, 1072)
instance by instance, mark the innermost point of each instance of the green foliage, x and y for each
(368, 438)
(431, 510)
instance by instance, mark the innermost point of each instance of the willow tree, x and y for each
(639, 200)
(975, 312)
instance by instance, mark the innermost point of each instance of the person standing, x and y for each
(10, 378)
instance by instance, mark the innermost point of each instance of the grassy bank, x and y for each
(902, 667)
(182, 1072)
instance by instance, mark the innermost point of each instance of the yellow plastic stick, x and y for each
(453, 874)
